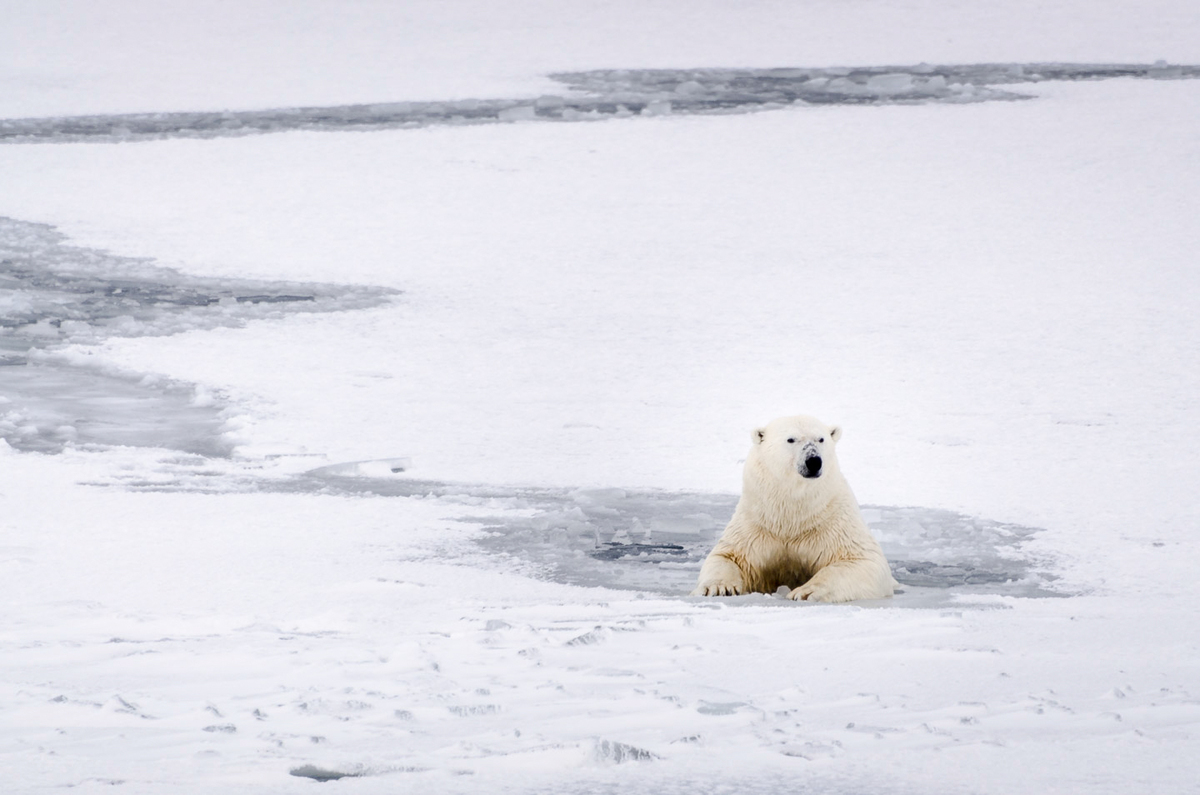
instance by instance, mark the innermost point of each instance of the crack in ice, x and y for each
(608, 94)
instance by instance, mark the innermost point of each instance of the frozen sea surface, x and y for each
(611, 93)
(1003, 278)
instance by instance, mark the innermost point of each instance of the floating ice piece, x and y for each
(571, 114)
(892, 83)
(518, 113)
(374, 468)
(844, 85)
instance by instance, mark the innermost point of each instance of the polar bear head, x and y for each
(795, 447)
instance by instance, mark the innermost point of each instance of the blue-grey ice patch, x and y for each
(608, 94)
(53, 294)
(655, 541)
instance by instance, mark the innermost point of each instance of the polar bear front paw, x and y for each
(812, 592)
(718, 588)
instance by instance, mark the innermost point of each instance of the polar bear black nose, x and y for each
(812, 466)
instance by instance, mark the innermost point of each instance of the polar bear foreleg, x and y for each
(846, 581)
(720, 576)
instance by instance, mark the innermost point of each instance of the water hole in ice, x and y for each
(655, 541)
(53, 295)
(609, 94)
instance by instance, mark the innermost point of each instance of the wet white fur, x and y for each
(805, 533)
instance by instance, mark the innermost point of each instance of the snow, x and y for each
(440, 535)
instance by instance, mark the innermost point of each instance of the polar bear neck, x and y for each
(788, 505)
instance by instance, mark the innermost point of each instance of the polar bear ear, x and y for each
(835, 432)
(758, 435)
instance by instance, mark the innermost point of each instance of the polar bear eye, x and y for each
(791, 441)
(821, 440)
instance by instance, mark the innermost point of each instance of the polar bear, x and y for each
(797, 524)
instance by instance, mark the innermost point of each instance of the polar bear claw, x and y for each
(718, 588)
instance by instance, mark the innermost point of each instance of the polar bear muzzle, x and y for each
(811, 467)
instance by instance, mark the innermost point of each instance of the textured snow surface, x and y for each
(432, 530)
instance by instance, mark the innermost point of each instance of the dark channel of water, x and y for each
(611, 93)
(53, 294)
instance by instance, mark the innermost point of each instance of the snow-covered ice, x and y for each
(430, 527)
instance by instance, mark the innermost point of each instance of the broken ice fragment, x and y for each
(518, 113)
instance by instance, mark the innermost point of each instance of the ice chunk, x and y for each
(844, 85)
(689, 87)
(893, 83)
(518, 113)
